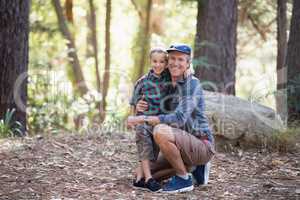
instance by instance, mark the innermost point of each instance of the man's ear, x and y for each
(189, 64)
(187, 72)
(189, 60)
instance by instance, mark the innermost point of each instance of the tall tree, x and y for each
(281, 55)
(151, 20)
(106, 75)
(78, 79)
(14, 23)
(293, 66)
(89, 36)
(69, 11)
(215, 45)
(146, 39)
(94, 44)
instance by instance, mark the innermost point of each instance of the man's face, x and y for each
(178, 63)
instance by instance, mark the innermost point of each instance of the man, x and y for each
(183, 135)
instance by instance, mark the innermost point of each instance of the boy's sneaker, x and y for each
(139, 184)
(153, 185)
(178, 184)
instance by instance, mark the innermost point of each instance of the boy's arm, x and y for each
(136, 94)
(133, 110)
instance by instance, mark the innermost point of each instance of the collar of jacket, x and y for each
(152, 76)
(184, 79)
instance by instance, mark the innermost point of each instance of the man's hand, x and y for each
(153, 120)
(141, 106)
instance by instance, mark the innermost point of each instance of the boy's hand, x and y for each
(134, 120)
(141, 106)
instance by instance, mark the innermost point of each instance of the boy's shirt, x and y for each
(154, 88)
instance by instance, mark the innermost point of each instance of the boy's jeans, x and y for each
(146, 147)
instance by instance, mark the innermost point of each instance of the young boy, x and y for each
(151, 88)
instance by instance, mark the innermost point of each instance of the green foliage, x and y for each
(46, 110)
(52, 105)
(180, 23)
(113, 122)
(285, 141)
(188, 1)
(42, 20)
(8, 127)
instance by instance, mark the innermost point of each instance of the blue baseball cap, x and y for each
(183, 48)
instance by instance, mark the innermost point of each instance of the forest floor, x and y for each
(72, 166)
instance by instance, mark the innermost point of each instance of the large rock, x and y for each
(235, 119)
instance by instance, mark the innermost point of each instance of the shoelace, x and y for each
(173, 181)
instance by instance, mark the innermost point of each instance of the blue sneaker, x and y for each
(178, 184)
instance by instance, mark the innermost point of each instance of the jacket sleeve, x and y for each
(192, 98)
(137, 92)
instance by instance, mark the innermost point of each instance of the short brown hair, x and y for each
(158, 50)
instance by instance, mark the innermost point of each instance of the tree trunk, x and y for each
(78, 80)
(14, 23)
(95, 47)
(140, 49)
(281, 54)
(156, 16)
(293, 66)
(107, 57)
(157, 24)
(146, 40)
(89, 37)
(215, 45)
(69, 11)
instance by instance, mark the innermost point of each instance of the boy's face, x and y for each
(158, 62)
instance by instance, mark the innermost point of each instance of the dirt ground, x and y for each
(73, 166)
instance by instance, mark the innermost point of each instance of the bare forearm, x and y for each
(135, 120)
